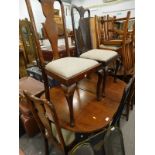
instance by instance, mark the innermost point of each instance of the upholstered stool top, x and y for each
(99, 55)
(70, 66)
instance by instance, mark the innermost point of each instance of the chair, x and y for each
(121, 44)
(46, 117)
(131, 99)
(106, 142)
(84, 46)
(125, 101)
(69, 70)
(105, 33)
(108, 27)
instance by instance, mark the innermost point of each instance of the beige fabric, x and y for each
(109, 47)
(99, 54)
(68, 136)
(70, 66)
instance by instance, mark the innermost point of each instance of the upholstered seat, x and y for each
(70, 66)
(115, 48)
(100, 55)
(68, 136)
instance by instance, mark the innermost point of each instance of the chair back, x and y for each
(110, 27)
(126, 52)
(50, 27)
(107, 29)
(126, 97)
(82, 32)
(45, 114)
(104, 27)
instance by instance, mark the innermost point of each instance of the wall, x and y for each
(118, 8)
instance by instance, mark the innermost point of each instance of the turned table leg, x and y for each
(69, 93)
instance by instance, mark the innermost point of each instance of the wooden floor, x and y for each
(90, 115)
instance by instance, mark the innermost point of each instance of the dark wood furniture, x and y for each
(69, 70)
(90, 115)
(84, 45)
(36, 88)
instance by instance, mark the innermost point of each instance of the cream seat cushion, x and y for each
(70, 66)
(68, 136)
(99, 54)
(109, 47)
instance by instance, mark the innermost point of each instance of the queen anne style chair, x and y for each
(69, 70)
(84, 46)
(46, 117)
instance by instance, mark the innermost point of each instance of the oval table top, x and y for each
(90, 115)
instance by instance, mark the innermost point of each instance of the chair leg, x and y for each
(116, 69)
(104, 76)
(46, 146)
(47, 92)
(98, 88)
(69, 93)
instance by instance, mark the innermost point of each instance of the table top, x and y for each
(32, 85)
(90, 115)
